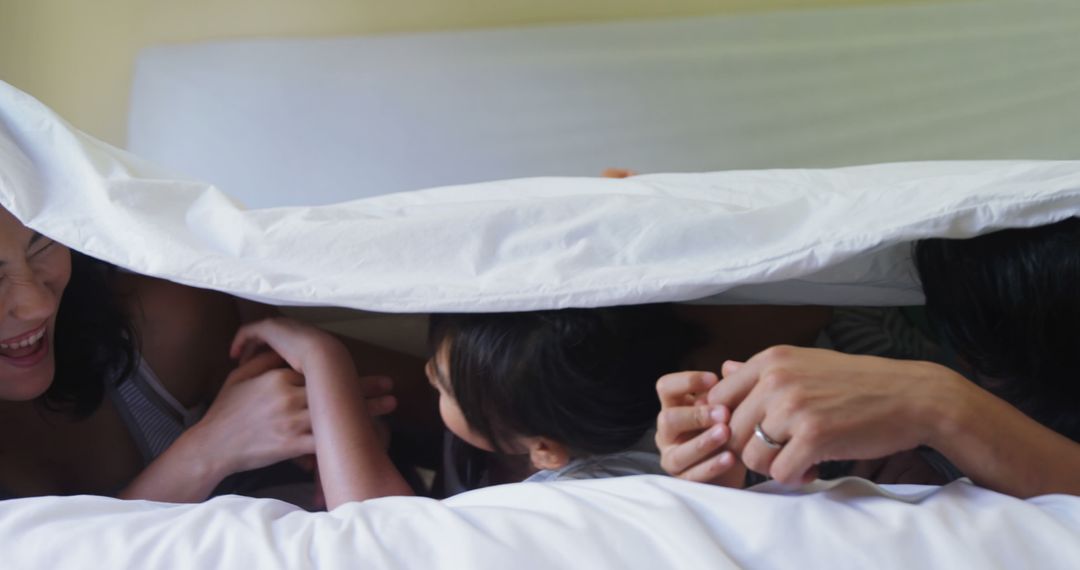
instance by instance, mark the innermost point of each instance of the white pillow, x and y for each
(835, 236)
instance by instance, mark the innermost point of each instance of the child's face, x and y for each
(448, 406)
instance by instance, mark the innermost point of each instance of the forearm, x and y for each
(415, 423)
(353, 466)
(182, 474)
(999, 447)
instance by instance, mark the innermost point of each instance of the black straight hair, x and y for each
(1008, 302)
(583, 377)
(95, 343)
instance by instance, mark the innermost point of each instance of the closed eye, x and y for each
(44, 247)
(38, 244)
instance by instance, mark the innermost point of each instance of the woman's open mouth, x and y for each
(26, 350)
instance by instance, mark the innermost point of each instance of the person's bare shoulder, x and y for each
(184, 333)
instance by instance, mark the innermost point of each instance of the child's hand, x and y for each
(298, 343)
(691, 434)
(303, 346)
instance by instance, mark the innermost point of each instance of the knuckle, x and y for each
(284, 376)
(667, 383)
(665, 422)
(702, 417)
(290, 427)
(776, 378)
(276, 321)
(789, 405)
(670, 462)
(777, 353)
(755, 462)
(704, 442)
(665, 463)
(274, 376)
(715, 468)
(812, 430)
(295, 401)
(680, 383)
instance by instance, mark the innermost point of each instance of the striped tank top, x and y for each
(152, 415)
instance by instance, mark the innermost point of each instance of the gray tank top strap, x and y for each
(152, 415)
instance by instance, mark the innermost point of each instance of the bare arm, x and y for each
(353, 465)
(260, 417)
(1001, 448)
(825, 405)
(181, 474)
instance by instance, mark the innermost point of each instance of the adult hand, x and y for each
(303, 347)
(258, 418)
(822, 405)
(691, 434)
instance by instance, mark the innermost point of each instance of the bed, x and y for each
(477, 241)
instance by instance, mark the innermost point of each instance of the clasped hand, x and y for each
(260, 416)
(819, 404)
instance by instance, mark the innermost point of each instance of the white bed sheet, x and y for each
(832, 236)
(644, 522)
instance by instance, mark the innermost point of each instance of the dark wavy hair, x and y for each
(1008, 302)
(583, 377)
(95, 342)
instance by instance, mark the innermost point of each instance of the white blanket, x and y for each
(836, 236)
(644, 522)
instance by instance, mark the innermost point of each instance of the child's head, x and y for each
(555, 384)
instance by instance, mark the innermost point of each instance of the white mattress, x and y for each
(644, 522)
(315, 121)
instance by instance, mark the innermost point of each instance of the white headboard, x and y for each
(286, 122)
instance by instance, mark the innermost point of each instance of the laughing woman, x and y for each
(119, 384)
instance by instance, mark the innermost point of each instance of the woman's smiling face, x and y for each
(34, 270)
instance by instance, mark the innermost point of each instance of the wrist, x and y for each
(947, 407)
(193, 450)
(181, 474)
(328, 359)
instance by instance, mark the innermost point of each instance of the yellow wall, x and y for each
(77, 55)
